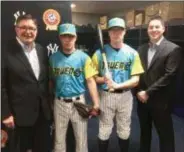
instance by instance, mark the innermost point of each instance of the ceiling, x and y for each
(105, 7)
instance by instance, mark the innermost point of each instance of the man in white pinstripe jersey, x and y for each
(71, 70)
(125, 67)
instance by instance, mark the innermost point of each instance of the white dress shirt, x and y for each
(32, 56)
(152, 50)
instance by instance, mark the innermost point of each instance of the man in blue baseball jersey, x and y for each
(125, 67)
(71, 70)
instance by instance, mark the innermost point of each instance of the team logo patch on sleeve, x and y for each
(52, 19)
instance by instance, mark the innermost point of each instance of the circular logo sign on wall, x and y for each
(52, 19)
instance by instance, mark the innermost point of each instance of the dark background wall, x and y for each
(36, 8)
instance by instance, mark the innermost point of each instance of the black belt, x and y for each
(117, 91)
(68, 99)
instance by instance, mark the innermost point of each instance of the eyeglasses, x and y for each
(25, 28)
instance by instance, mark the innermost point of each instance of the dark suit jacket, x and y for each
(159, 79)
(22, 94)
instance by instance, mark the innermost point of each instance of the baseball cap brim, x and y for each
(111, 27)
(67, 33)
(116, 22)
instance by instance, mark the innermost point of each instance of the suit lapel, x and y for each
(157, 53)
(145, 58)
(22, 57)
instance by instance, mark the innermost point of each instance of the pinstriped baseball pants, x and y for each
(63, 112)
(118, 105)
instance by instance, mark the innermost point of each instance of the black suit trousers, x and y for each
(160, 116)
(35, 137)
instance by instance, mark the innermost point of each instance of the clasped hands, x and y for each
(142, 96)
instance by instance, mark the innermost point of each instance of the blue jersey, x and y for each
(70, 72)
(122, 63)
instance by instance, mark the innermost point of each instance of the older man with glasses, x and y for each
(24, 88)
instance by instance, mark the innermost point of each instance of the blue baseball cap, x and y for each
(116, 22)
(67, 28)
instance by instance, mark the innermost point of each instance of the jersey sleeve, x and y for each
(136, 65)
(89, 68)
(95, 61)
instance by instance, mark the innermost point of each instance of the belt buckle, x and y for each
(75, 98)
(69, 99)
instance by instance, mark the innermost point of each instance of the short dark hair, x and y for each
(26, 17)
(157, 18)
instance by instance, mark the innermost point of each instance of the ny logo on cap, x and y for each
(67, 26)
(17, 14)
(52, 48)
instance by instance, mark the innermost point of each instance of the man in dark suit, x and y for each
(160, 59)
(24, 88)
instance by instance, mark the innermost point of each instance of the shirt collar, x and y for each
(25, 47)
(159, 41)
(153, 45)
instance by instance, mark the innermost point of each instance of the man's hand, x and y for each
(96, 106)
(9, 122)
(142, 96)
(95, 111)
(111, 84)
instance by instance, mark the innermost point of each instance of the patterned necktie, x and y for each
(151, 52)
